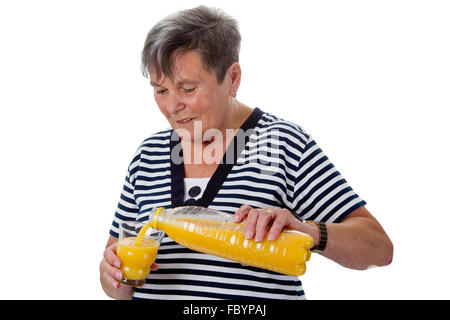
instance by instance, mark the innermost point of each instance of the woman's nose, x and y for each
(175, 103)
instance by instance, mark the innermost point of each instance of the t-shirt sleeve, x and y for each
(127, 208)
(320, 192)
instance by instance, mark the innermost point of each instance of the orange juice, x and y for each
(136, 259)
(287, 254)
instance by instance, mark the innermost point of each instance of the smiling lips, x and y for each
(185, 120)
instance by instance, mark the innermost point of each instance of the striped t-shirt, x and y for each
(277, 165)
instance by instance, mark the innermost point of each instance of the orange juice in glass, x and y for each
(137, 249)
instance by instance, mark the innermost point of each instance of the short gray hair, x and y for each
(208, 31)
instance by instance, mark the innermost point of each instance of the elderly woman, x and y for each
(222, 154)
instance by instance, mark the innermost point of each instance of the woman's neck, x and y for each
(210, 151)
(241, 113)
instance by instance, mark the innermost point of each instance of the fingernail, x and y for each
(117, 264)
(248, 235)
(118, 276)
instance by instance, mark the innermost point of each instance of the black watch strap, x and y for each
(323, 236)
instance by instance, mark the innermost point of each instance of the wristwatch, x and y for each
(323, 236)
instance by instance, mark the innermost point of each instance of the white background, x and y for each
(370, 80)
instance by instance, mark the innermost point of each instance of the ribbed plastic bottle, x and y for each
(214, 232)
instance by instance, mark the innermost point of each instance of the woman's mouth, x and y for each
(185, 120)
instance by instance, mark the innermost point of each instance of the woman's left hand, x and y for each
(261, 221)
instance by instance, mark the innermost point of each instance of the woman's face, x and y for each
(193, 96)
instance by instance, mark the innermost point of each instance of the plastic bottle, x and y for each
(215, 233)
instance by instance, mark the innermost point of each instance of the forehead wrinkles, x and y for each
(157, 77)
(187, 65)
(164, 81)
(184, 69)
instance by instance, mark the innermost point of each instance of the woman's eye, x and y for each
(189, 90)
(162, 91)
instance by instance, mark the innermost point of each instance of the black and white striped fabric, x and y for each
(278, 165)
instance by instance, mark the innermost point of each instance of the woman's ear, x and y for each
(234, 78)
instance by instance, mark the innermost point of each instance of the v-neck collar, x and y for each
(215, 183)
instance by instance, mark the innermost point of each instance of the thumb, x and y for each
(154, 267)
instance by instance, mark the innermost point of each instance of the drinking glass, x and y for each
(136, 259)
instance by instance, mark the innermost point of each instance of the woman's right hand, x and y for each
(110, 274)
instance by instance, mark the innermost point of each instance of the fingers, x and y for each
(265, 217)
(277, 226)
(154, 267)
(241, 213)
(250, 224)
(257, 223)
(262, 222)
(111, 257)
(110, 275)
(109, 267)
